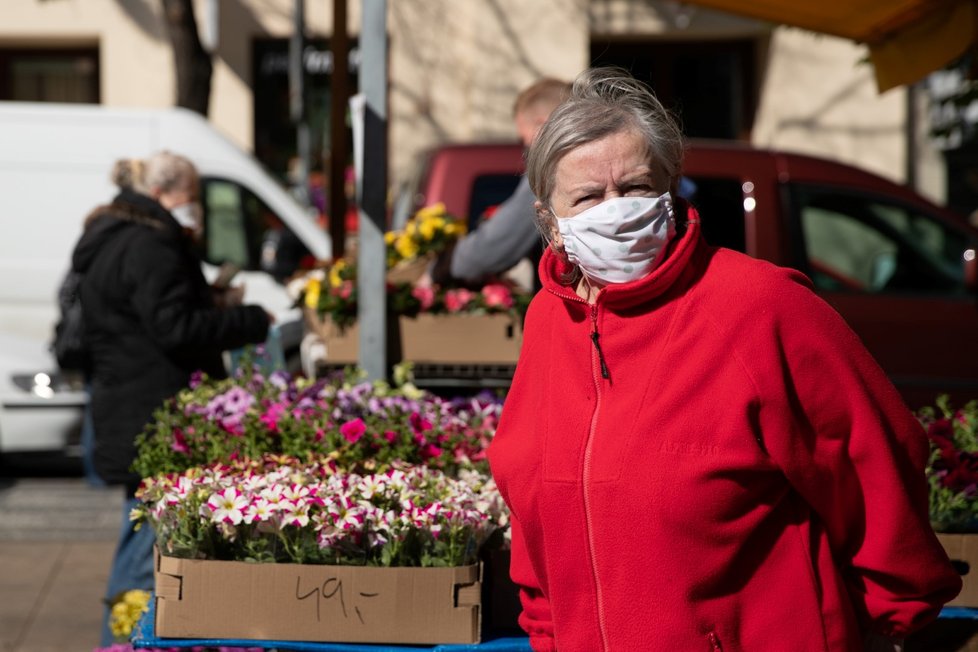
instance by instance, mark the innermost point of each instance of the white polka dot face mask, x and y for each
(620, 239)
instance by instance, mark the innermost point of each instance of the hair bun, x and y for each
(127, 173)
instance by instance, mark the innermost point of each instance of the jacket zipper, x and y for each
(594, 338)
(586, 475)
(715, 642)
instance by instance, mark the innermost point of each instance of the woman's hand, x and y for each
(228, 297)
(877, 643)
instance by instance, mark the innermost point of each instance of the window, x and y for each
(239, 228)
(227, 227)
(859, 243)
(720, 203)
(710, 84)
(488, 191)
(49, 75)
(275, 133)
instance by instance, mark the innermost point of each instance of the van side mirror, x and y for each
(971, 270)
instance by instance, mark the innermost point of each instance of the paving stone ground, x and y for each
(57, 536)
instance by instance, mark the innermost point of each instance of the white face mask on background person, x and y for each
(189, 216)
(621, 239)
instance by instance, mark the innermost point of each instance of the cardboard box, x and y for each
(293, 602)
(342, 344)
(461, 339)
(430, 339)
(963, 551)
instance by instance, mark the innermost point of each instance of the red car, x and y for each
(900, 269)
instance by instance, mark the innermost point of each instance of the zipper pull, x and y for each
(597, 345)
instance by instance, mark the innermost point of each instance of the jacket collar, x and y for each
(679, 255)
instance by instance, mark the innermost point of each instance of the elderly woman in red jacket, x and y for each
(698, 453)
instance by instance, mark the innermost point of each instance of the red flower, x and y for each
(352, 431)
(497, 295)
(418, 423)
(179, 444)
(425, 294)
(458, 299)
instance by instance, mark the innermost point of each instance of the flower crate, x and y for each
(461, 339)
(963, 552)
(433, 339)
(342, 344)
(298, 602)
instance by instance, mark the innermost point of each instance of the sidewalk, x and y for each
(57, 536)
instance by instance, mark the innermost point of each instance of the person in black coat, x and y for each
(151, 320)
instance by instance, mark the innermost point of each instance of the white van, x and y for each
(55, 163)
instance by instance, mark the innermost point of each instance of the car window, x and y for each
(225, 234)
(862, 243)
(240, 228)
(488, 191)
(720, 203)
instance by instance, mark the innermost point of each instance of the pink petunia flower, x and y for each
(497, 295)
(352, 431)
(425, 294)
(179, 444)
(272, 415)
(418, 423)
(458, 299)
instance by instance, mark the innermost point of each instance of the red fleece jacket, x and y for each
(744, 478)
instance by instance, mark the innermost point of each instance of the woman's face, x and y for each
(618, 165)
(182, 193)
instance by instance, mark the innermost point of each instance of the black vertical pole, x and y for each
(297, 99)
(339, 148)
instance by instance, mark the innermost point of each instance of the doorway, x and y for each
(709, 85)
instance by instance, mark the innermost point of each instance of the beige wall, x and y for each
(456, 65)
(818, 97)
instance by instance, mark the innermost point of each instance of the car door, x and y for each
(895, 271)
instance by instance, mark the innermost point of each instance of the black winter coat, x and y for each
(150, 322)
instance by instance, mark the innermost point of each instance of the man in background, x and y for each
(510, 235)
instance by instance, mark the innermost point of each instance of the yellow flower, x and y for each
(428, 229)
(389, 237)
(335, 278)
(312, 293)
(435, 210)
(453, 229)
(406, 247)
(126, 611)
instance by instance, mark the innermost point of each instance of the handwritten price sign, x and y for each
(331, 592)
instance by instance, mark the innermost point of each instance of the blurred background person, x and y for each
(509, 235)
(151, 320)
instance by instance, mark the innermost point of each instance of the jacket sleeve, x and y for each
(500, 242)
(847, 443)
(167, 301)
(535, 619)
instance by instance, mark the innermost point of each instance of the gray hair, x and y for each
(168, 171)
(603, 101)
